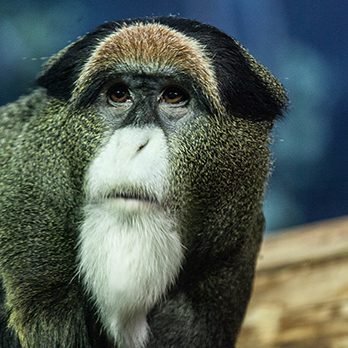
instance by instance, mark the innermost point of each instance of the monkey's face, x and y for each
(142, 113)
(143, 92)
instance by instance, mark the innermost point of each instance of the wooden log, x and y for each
(300, 297)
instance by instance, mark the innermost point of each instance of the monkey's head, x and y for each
(170, 114)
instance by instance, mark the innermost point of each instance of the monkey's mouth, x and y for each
(133, 196)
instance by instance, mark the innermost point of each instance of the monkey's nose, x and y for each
(141, 146)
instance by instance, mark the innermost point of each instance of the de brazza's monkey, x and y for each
(131, 187)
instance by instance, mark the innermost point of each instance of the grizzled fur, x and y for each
(219, 166)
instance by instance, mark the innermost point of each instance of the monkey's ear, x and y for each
(62, 70)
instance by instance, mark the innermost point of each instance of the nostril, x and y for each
(142, 145)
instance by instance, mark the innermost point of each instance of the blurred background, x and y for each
(303, 42)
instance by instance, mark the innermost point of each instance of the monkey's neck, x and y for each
(127, 263)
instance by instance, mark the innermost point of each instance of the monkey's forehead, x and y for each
(151, 48)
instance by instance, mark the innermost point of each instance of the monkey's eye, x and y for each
(174, 95)
(118, 93)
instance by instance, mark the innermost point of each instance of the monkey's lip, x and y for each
(133, 197)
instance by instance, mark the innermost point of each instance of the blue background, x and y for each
(303, 42)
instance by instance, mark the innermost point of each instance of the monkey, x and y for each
(132, 180)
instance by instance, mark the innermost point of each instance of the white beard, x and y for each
(129, 249)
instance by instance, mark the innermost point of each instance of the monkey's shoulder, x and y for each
(13, 119)
(17, 113)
